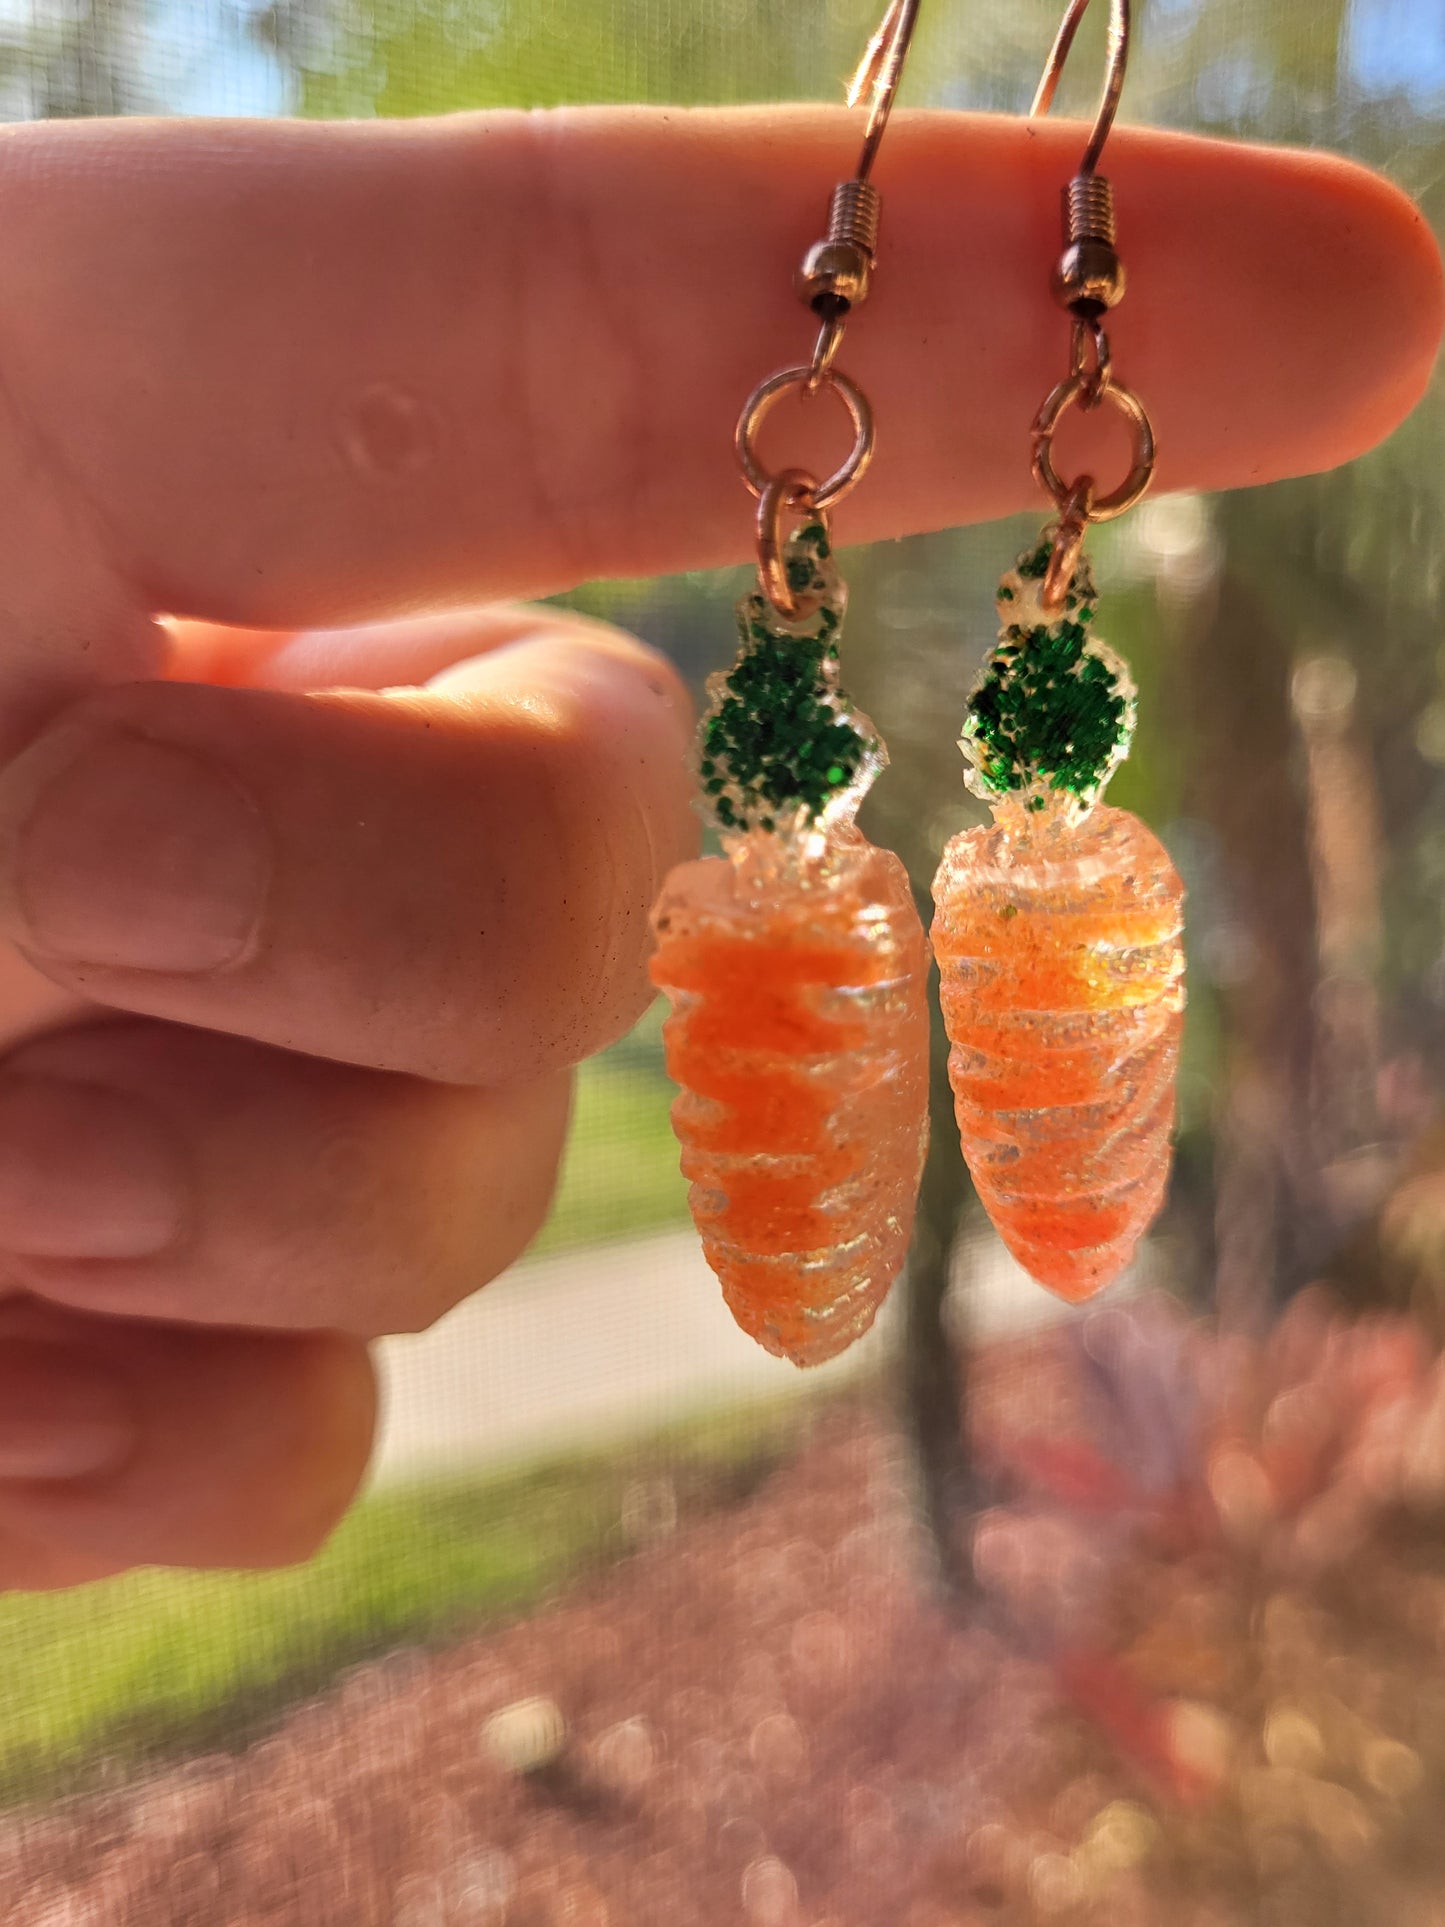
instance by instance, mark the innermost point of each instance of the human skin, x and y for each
(313, 901)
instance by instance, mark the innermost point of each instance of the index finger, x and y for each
(294, 374)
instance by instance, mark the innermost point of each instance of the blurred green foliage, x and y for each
(394, 57)
(620, 1174)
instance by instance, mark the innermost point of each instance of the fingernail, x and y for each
(128, 853)
(61, 1416)
(85, 1172)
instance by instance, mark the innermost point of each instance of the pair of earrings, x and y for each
(796, 964)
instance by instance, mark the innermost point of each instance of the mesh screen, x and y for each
(629, 1627)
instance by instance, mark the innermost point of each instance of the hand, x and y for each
(310, 925)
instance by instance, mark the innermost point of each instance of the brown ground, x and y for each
(764, 1725)
(764, 1720)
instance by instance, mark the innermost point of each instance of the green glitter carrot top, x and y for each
(781, 747)
(1052, 717)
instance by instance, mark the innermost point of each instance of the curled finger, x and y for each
(126, 1444)
(172, 1174)
(452, 880)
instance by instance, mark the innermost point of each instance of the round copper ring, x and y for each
(791, 491)
(1104, 507)
(854, 464)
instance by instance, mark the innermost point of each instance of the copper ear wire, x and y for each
(1088, 281)
(836, 274)
(1116, 64)
(833, 278)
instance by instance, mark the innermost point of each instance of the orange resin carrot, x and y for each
(1058, 934)
(1061, 979)
(799, 1036)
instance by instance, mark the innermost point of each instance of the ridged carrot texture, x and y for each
(796, 967)
(1057, 931)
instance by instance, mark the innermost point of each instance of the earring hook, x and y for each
(879, 72)
(1118, 60)
(833, 279)
(1088, 281)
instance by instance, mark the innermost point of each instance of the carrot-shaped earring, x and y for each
(1058, 928)
(1057, 933)
(795, 962)
(796, 965)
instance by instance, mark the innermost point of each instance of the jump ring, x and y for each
(1068, 544)
(854, 464)
(1074, 389)
(792, 489)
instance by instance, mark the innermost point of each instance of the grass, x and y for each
(160, 1663)
(620, 1174)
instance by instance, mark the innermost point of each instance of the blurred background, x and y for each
(1139, 1616)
